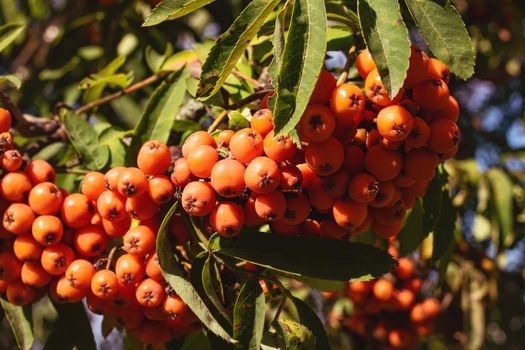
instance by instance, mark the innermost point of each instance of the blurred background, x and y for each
(484, 284)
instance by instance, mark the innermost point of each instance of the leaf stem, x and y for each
(111, 255)
(241, 75)
(350, 58)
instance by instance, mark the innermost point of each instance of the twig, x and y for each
(350, 58)
(217, 121)
(137, 86)
(110, 257)
(71, 171)
(241, 75)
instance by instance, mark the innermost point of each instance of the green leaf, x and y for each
(302, 61)
(8, 33)
(323, 285)
(20, 322)
(11, 79)
(444, 231)
(432, 203)
(84, 139)
(227, 50)
(60, 339)
(155, 60)
(196, 341)
(211, 283)
(237, 121)
(175, 276)
(158, 116)
(96, 83)
(73, 317)
(168, 10)
(386, 37)
(309, 318)
(278, 45)
(51, 151)
(248, 316)
(502, 197)
(411, 235)
(181, 125)
(445, 33)
(296, 336)
(120, 80)
(306, 256)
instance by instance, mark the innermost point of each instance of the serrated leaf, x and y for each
(411, 234)
(20, 322)
(278, 46)
(96, 83)
(84, 138)
(157, 119)
(237, 121)
(120, 80)
(8, 33)
(386, 36)
(181, 125)
(445, 33)
(296, 336)
(502, 197)
(248, 316)
(74, 318)
(11, 79)
(174, 275)
(309, 318)
(306, 256)
(231, 45)
(303, 58)
(169, 10)
(445, 225)
(213, 287)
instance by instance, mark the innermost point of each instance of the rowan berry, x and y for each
(297, 209)
(150, 293)
(112, 178)
(385, 194)
(93, 184)
(198, 138)
(246, 145)
(90, 240)
(251, 219)
(420, 164)
(419, 135)
(347, 105)
(142, 207)
(438, 70)
(383, 289)
(383, 164)
(45, 198)
(154, 158)
(223, 139)
(79, 274)
(26, 248)
(6, 141)
(375, 90)
(319, 196)
(160, 189)
(40, 171)
(153, 269)
(5, 120)
(175, 308)
(279, 148)
(15, 186)
(132, 183)
(11, 160)
(56, 259)
(67, 293)
(349, 214)
(444, 135)
(104, 284)
(336, 185)
(270, 206)
(418, 67)
(116, 228)
(139, 241)
(181, 173)
(227, 219)
(18, 218)
(330, 229)
(34, 275)
(262, 175)
(326, 157)
(198, 198)
(395, 123)
(77, 210)
(363, 188)
(129, 269)
(450, 111)
(10, 266)
(365, 64)
(354, 159)
(227, 178)
(291, 178)
(317, 123)
(111, 206)
(431, 95)
(47, 230)
(262, 121)
(19, 293)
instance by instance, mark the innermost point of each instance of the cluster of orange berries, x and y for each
(365, 158)
(391, 310)
(56, 242)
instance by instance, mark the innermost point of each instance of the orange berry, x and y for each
(67, 294)
(431, 95)
(323, 87)
(154, 158)
(385, 193)
(365, 64)
(45, 198)
(150, 293)
(262, 175)
(223, 139)
(90, 240)
(405, 268)
(6, 141)
(297, 209)
(392, 215)
(418, 67)
(93, 184)
(15, 186)
(330, 229)
(375, 90)
(79, 274)
(116, 228)
(347, 105)
(319, 197)
(77, 210)
(354, 159)
(11, 160)
(251, 219)
(405, 298)
(198, 198)
(438, 70)
(401, 339)
(153, 269)
(363, 188)
(201, 160)
(178, 231)
(160, 189)
(26, 248)
(383, 289)
(5, 120)
(336, 185)
(317, 123)
(111, 206)
(40, 171)
(104, 284)
(280, 227)
(175, 308)
(18, 218)
(112, 177)
(419, 135)
(270, 206)
(10, 267)
(139, 241)
(450, 111)
(56, 259)
(383, 164)
(227, 178)
(326, 157)
(129, 269)
(420, 164)
(34, 275)
(444, 135)
(47, 230)
(19, 294)
(246, 144)
(349, 214)
(395, 123)
(181, 173)
(142, 207)
(279, 148)
(262, 121)
(291, 178)
(132, 183)
(227, 219)
(196, 139)
(308, 176)
(311, 227)
(431, 307)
